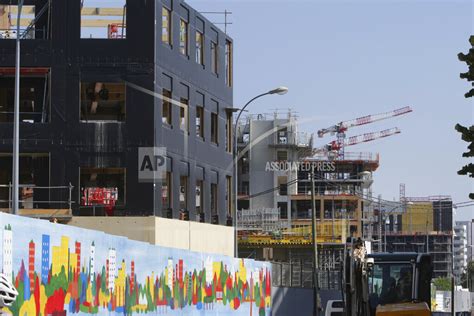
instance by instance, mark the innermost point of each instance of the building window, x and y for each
(283, 206)
(166, 26)
(228, 63)
(200, 121)
(102, 101)
(184, 115)
(183, 37)
(228, 195)
(199, 48)
(214, 128)
(167, 109)
(183, 193)
(228, 132)
(199, 196)
(282, 155)
(214, 59)
(283, 136)
(34, 95)
(102, 187)
(283, 185)
(166, 189)
(213, 198)
(101, 22)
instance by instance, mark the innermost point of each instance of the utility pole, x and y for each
(16, 117)
(315, 247)
(380, 223)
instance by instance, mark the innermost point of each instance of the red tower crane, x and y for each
(341, 128)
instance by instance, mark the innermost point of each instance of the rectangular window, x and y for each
(200, 121)
(282, 155)
(199, 48)
(40, 27)
(184, 115)
(183, 37)
(166, 26)
(283, 184)
(183, 193)
(214, 128)
(283, 206)
(199, 197)
(34, 172)
(103, 101)
(102, 186)
(166, 189)
(228, 195)
(213, 198)
(214, 59)
(34, 95)
(228, 63)
(102, 22)
(167, 108)
(228, 132)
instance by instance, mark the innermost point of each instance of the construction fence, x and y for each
(299, 273)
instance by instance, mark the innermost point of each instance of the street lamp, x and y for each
(280, 91)
(16, 118)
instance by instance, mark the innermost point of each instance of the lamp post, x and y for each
(280, 91)
(16, 117)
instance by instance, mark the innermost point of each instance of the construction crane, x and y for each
(341, 128)
(354, 140)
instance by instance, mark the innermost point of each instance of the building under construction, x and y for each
(275, 206)
(424, 224)
(100, 84)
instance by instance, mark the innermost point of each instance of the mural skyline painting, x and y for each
(63, 270)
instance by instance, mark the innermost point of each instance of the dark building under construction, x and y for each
(99, 84)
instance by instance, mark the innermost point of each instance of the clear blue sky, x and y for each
(344, 59)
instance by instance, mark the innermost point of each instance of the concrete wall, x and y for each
(165, 232)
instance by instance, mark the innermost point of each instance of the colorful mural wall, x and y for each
(60, 270)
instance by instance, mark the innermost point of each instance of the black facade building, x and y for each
(160, 78)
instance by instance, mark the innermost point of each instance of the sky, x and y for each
(345, 59)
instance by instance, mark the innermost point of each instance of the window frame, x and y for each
(168, 26)
(184, 106)
(169, 190)
(87, 121)
(183, 204)
(215, 130)
(199, 47)
(228, 63)
(214, 57)
(200, 185)
(185, 49)
(200, 130)
(214, 199)
(229, 132)
(167, 103)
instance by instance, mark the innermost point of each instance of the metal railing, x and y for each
(299, 273)
(27, 193)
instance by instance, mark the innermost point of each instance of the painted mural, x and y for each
(62, 270)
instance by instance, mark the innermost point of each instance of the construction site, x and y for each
(276, 224)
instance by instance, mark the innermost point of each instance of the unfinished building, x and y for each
(426, 226)
(274, 200)
(99, 84)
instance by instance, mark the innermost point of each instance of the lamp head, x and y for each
(280, 90)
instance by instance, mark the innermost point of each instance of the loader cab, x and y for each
(398, 278)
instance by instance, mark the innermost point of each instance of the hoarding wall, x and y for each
(61, 270)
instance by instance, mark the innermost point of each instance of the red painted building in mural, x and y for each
(31, 265)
